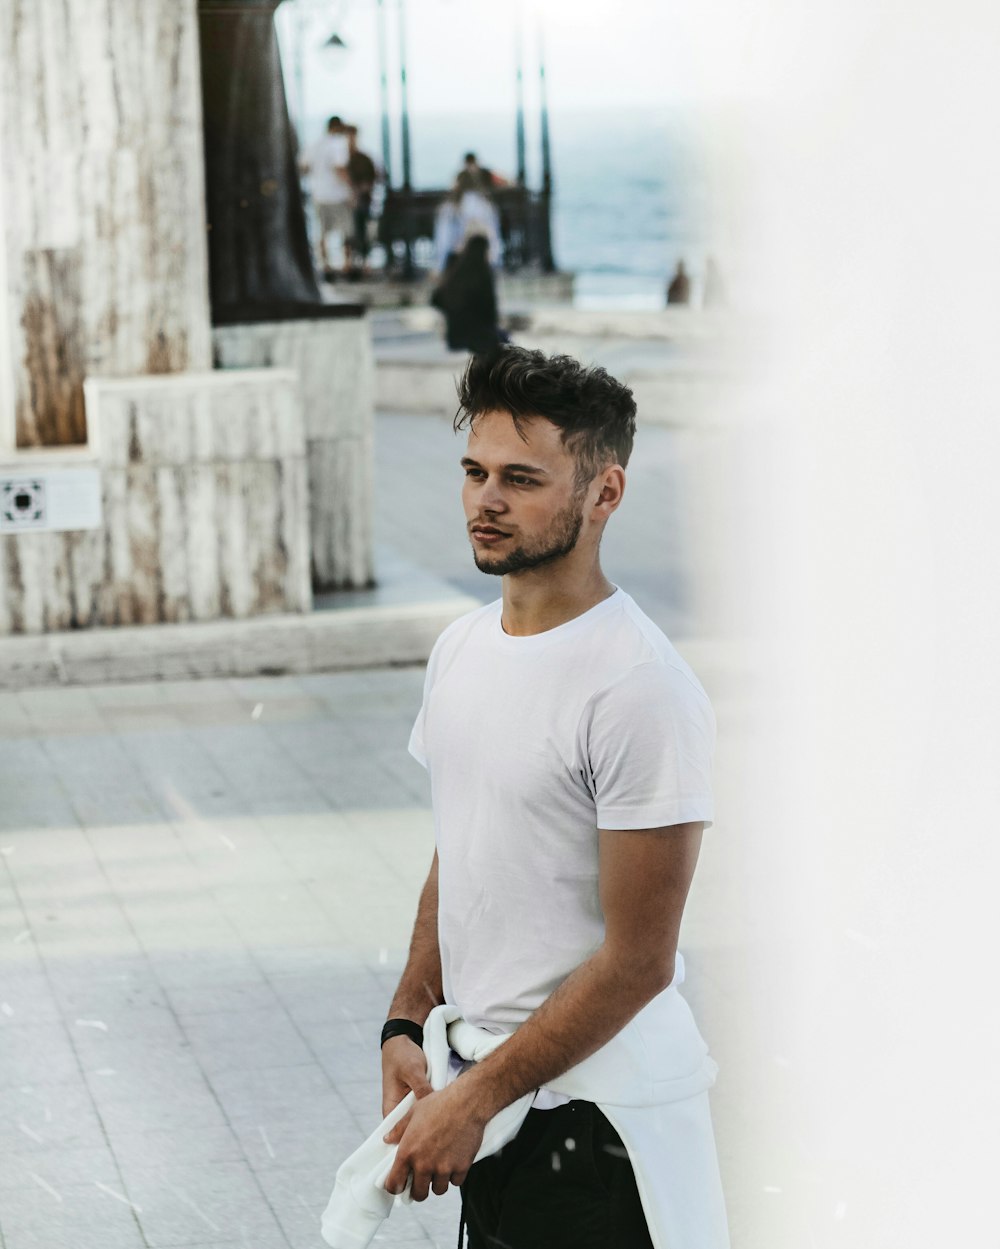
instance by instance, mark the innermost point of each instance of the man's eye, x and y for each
(523, 481)
(474, 472)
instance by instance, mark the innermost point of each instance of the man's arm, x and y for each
(645, 876)
(403, 1064)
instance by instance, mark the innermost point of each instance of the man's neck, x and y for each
(544, 598)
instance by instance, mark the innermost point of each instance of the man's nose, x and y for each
(492, 499)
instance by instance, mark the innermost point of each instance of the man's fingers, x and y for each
(420, 1186)
(458, 1177)
(421, 1088)
(395, 1181)
(395, 1134)
(440, 1185)
(390, 1100)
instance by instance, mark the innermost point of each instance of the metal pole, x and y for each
(405, 97)
(548, 263)
(519, 53)
(546, 149)
(384, 89)
(408, 268)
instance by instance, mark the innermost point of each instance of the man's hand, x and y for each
(438, 1142)
(644, 879)
(404, 1067)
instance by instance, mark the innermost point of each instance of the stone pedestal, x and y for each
(204, 508)
(334, 363)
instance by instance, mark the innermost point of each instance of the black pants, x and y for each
(564, 1182)
(362, 211)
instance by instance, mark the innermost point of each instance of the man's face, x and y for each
(522, 505)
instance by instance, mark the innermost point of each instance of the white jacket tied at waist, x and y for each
(650, 1080)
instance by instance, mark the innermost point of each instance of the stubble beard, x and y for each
(557, 542)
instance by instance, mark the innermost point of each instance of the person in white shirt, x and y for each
(326, 163)
(569, 749)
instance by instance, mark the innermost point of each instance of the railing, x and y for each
(525, 230)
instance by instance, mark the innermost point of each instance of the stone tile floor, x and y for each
(206, 891)
(206, 896)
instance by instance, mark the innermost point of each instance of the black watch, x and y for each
(403, 1027)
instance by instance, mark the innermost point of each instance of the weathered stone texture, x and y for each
(340, 511)
(205, 501)
(335, 366)
(103, 220)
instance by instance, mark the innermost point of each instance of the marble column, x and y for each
(102, 227)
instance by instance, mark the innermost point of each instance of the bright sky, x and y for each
(600, 54)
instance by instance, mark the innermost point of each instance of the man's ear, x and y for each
(610, 490)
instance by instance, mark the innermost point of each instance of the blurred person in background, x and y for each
(362, 174)
(466, 294)
(469, 208)
(326, 164)
(474, 177)
(679, 288)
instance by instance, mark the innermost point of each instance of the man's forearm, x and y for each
(420, 987)
(591, 1005)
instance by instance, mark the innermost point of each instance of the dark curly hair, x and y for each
(595, 412)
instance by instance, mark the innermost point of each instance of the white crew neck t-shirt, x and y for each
(532, 745)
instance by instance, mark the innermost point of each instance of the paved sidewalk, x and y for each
(207, 891)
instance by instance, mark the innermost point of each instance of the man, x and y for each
(470, 209)
(475, 177)
(362, 174)
(569, 751)
(326, 163)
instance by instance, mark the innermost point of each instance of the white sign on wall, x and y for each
(51, 499)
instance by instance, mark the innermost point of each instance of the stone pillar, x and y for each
(335, 365)
(102, 226)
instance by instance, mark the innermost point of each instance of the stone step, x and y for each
(679, 395)
(513, 289)
(679, 325)
(395, 623)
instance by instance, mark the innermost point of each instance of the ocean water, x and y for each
(630, 196)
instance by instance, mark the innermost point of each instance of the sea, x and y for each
(630, 195)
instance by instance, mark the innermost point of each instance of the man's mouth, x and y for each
(487, 533)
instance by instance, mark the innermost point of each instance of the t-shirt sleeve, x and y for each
(440, 655)
(649, 739)
(416, 744)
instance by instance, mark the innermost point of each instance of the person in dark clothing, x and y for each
(679, 290)
(362, 174)
(467, 297)
(474, 177)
